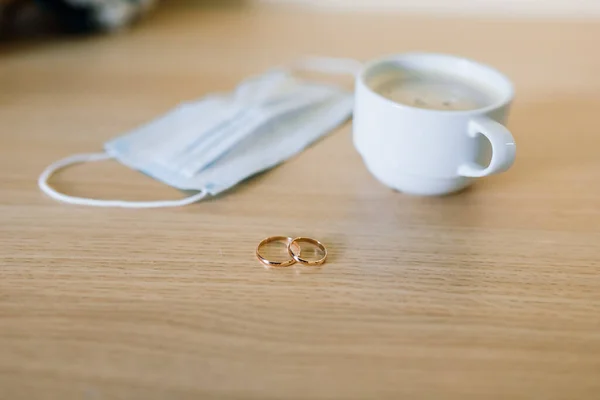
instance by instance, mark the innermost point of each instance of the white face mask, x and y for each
(212, 144)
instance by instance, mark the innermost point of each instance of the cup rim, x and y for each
(506, 99)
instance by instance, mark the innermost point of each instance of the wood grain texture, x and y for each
(490, 294)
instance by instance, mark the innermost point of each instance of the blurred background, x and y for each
(523, 7)
(34, 17)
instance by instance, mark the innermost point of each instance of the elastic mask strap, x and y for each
(80, 158)
(329, 65)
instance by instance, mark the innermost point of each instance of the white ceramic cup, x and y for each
(432, 152)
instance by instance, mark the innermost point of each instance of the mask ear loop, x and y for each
(91, 157)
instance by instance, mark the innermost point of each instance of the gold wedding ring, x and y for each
(269, 263)
(296, 256)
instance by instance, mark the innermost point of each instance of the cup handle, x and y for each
(503, 148)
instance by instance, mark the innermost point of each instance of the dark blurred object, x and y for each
(26, 17)
(22, 18)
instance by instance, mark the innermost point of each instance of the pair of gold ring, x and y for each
(295, 255)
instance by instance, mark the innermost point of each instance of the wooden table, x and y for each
(490, 294)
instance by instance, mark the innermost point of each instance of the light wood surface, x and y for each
(490, 294)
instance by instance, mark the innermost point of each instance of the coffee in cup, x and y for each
(424, 123)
